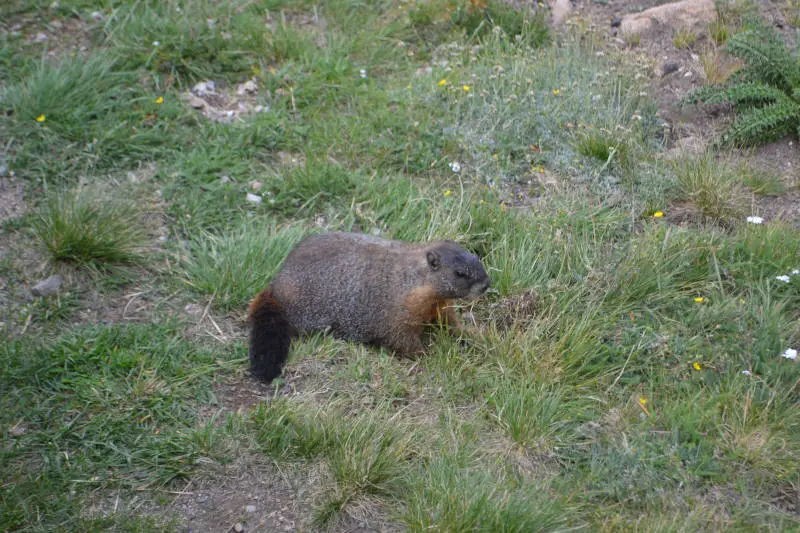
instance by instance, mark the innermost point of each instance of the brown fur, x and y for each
(361, 288)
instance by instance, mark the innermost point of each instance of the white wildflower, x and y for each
(455, 166)
(795, 272)
(784, 279)
(747, 373)
(790, 353)
(755, 220)
(363, 73)
(156, 43)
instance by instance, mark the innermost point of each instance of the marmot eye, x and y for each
(461, 274)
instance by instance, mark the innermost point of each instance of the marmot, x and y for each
(362, 288)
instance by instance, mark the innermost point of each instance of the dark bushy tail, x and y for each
(270, 336)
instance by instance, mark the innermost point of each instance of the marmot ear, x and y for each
(434, 260)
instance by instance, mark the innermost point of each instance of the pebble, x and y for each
(256, 199)
(40, 37)
(203, 87)
(193, 309)
(96, 15)
(48, 286)
(196, 103)
(238, 527)
(250, 508)
(248, 87)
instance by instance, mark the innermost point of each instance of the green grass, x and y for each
(99, 408)
(232, 268)
(683, 38)
(623, 373)
(89, 229)
(711, 186)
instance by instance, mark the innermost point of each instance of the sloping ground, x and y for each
(625, 372)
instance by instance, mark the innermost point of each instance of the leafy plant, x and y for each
(766, 92)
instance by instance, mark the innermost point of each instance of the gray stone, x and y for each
(48, 286)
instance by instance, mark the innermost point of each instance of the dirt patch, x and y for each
(52, 32)
(242, 393)
(518, 307)
(250, 492)
(225, 104)
(12, 199)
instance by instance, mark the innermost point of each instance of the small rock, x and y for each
(193, 309)
(203, 87)
(225, 179)
(202, 498)
(616, 21)
(259, 108)
(255, 185)
(96, 15)
(669, 67)
(256, 199)
(248, 87)
(688, 74)
(18, 430)
(196, 103)
(3, 170)
(250, 508)
(40, 37)
(238, 527)
(48, 286)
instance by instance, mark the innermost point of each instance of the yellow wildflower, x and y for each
(658, 214)
(466, 88)
(442, 82)
(696, 366)
(160, 100)
(643, 401)
(40, 118)
(699, 299)
(448, 192)
(556, 92)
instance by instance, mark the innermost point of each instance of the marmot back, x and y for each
(361, 288)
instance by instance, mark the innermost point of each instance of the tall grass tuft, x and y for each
(84, 228)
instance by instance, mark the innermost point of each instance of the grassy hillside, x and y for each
(624, 373)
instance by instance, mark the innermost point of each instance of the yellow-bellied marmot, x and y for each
(362, 288)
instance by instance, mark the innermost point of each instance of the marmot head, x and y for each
(454, 272)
